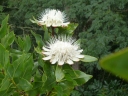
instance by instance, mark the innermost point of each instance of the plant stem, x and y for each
(53, 33)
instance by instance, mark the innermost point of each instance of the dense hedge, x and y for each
(103, 29)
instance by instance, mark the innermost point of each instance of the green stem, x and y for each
(53, 33)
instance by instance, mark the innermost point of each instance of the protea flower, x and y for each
(52, 17)
(62, 50)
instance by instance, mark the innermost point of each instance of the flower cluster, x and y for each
(52, 17)
(61, 50)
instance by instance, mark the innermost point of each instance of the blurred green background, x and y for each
(103, 29)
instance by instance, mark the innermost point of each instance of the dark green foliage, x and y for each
(103, 29)
(105, 88)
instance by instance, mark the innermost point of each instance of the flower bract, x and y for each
(52, 17)
(62, 50)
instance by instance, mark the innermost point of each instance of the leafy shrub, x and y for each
(102, 30)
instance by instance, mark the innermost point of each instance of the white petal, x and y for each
(46, 53)
(53, 61)
(75, 59)
(41, 22)
(60, 62)
(48, 24)
(54, 25)
(58, 21)
(45, 18)
(80, 50)
(46, 49)
(65, 24)
(70, 62)
(47, 58)
(80, 56)
(76, 47)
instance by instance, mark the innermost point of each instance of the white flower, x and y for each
(52, 17)
(61, 50)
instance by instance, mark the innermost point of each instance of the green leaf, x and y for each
(1, 76)
(24, 84)
(88, 58)
(44, 77)
(24, 43)
(27, 68)
(69, 78)
(27, 43)
(81, 77)
(56, 30)
(8, 39)
(5, 84)
(19, 66)
(10, 70)
(63, 88)
(75, 76)
(34, 21)
(38, 39)
(68, 29)
(49, 84)
(23, 66)
(58, 91)
(69, 72)
(4, 27)
(38, 50)
(46, 33)
(116, 63)
(68, 69)
(49, 79)
(48, 68)
(37, 88)
(20, 42)
(15, 54)
(4, 56)
(59, 73)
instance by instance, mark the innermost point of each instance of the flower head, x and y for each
(61, 50)
(52, 17)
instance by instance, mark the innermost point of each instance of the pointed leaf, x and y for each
(88, 58)
(37, 88)
(15, 54)
(4, 56)
(59, 73)
(4, 27)
(63, 88)
(24, 43)
(75, 76)
(8, 39)
(5, 84)
(49, 80)
(27, 43)
(24, 84)
(34, 21)
(68, 29)
(38, 39)
(46, 33)
(116, 63)
(81, 77)
(23, 66)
